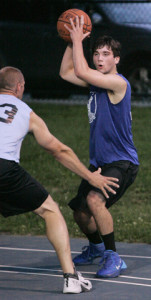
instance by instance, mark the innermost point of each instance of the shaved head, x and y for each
(12, 81)
(9, 77)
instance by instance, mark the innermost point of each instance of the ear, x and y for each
(18, 86)
(117, 59)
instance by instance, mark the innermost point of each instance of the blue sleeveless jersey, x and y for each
(110, 128)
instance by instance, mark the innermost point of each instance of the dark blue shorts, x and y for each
(125, 171)
(19, 192)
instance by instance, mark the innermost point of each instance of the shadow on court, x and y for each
(29, 269)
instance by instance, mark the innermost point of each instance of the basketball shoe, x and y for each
(89, 253)
(112, 265)
(75, 284)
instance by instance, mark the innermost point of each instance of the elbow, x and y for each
(61, 74)
(61, 152)
(80, 72)
(55, 153)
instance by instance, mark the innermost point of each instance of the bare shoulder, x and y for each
(35, 121)
(118, 93)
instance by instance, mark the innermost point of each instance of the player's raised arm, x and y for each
(67, 157)
(67, 69)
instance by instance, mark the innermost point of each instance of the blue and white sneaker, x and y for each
(112, 265)
(89, 253)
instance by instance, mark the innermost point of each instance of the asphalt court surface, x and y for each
(29, 269)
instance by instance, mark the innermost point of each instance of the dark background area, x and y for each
(30, 42)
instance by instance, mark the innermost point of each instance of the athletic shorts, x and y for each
(125, 171)
(19, 192)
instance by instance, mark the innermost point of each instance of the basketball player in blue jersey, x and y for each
(111, 144)
(19, 192)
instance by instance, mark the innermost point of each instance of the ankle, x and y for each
(96, 245)
(94, 237)
(67, 275)
(109, 241)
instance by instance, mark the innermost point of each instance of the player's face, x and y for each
(104, 60)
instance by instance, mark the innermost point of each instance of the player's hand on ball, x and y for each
(76, 30)
(65, 19)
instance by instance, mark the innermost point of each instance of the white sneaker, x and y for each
(75, 284)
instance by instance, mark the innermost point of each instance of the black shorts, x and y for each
(19, 192)
(125, 171)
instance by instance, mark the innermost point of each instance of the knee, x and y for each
(95, 200)
(49, 205)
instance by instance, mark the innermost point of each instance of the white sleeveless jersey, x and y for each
(14, 125)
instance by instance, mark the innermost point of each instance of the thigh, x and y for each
(79, 202)
(126, 172)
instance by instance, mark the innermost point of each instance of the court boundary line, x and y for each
(60, 271)
(73, 252)
(60, 276)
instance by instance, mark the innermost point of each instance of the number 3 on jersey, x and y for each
(10, 114)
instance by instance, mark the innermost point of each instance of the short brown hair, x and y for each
(9, 77)
(109, 42)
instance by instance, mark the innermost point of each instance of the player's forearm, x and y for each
(67, 61)
(70, 160)
(80, 64)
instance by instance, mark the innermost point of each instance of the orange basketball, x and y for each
(65, 19)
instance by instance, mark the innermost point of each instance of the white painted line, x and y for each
(121, 276)
(136, 256)
(137, 278)
(92, 279)
(73, 252)
(121, 282)
(25, 249)
(30, 273)
(60, 271)
(27, 268)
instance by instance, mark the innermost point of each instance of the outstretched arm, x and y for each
(67, 157)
